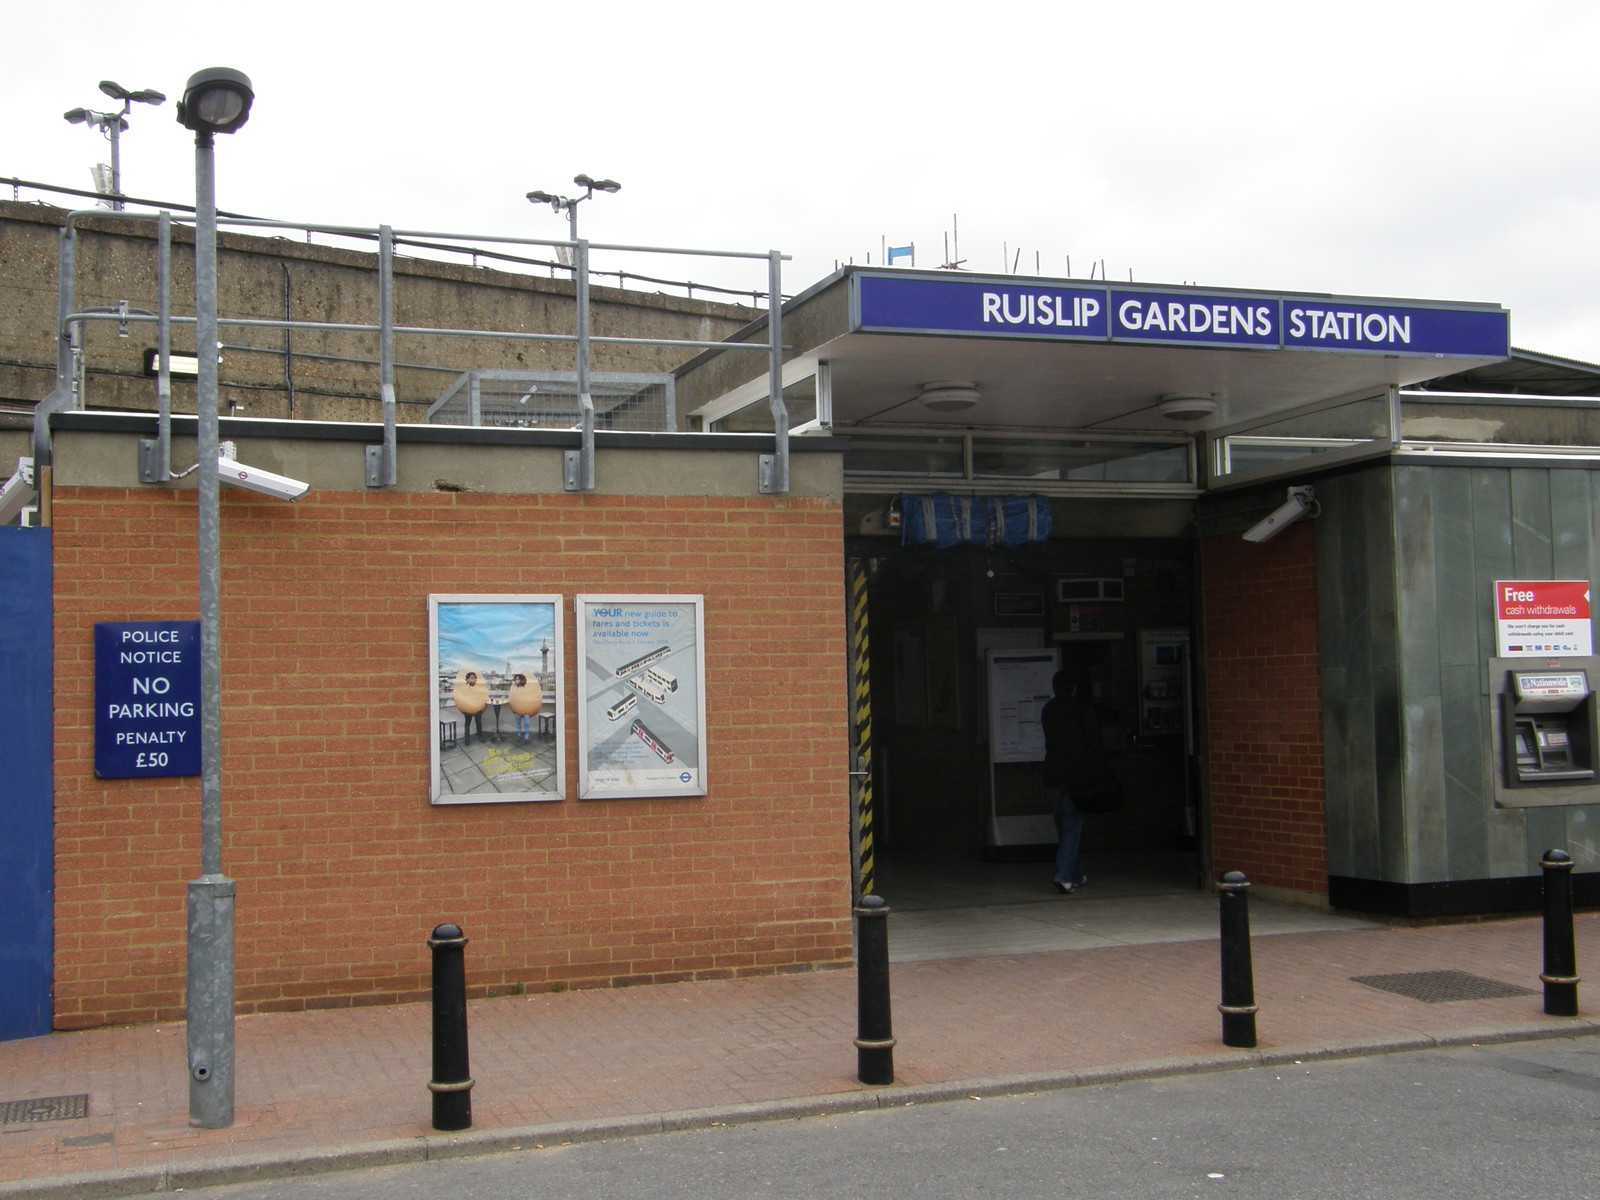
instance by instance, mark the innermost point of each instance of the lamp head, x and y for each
(542, 198)
(76, 115)
(597, 185)
(216, 100)
(115, 90)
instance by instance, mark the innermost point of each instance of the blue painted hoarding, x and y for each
(146, 699)
(27, 846)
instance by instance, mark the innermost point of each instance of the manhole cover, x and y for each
(46, 1108)
(1440, 987)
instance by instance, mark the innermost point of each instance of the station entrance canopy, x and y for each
(1048, 354)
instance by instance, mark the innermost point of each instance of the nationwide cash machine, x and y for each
(1546, 730)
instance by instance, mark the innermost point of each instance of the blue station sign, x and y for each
(146, 698)
(921, 305)
(1196, 319)
(1174, 317)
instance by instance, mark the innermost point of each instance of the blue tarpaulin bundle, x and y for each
(943, 520)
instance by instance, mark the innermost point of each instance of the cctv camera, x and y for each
(236, 474)
(17, 492)
(1301, 502)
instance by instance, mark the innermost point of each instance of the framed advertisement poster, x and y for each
(641, 696)
(495, 699)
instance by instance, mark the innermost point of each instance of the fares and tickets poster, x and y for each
(641, 702)
(495, 706)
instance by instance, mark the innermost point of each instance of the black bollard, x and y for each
(1238, 1007)
(1560, 946)
(874, 1029)
(451, 1084)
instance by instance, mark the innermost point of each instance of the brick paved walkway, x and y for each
(331, 1088)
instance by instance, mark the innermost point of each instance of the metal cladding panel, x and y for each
(1465, 788)
(1344, 531)
(1530, 525)
(1572, 533)
(1463, 620)
(1413, 802)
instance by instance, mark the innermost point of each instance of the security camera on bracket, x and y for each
(235, 474)
(1302, 502)
(17, 492)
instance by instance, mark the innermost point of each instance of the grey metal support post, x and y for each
(1238, 1007)
(381, 466)
(155, 456)
(114, 128)
(60, 397)
(774, 467)
(1560, 975)
(211, 897)
(578, 475)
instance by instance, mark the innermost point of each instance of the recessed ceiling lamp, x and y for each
(1188, 406)
(950, 395)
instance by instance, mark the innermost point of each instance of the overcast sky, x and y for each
(1367, 147)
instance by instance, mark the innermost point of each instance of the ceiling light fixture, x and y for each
(950, 395)
(1188, 406)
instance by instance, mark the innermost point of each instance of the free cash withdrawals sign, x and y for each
(1538, 617)
(146, 698)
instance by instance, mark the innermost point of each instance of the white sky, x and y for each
(1369, 147)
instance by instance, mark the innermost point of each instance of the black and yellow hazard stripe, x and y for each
(861, 719)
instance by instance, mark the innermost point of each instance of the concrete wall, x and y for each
(268, 373)
(342, 864)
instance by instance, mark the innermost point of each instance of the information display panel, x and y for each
(641, 703)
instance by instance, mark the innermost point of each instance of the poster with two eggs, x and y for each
(498, 705)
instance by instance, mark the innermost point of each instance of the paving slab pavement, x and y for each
(335, 1089)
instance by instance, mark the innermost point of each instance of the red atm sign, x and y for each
(1535, 617)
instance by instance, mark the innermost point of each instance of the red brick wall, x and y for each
(343, 867)
(1264, 710)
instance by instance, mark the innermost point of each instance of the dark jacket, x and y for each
(1074, 753)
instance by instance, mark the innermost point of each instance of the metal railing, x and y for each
(381, 465)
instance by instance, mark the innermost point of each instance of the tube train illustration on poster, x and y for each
(642, 716)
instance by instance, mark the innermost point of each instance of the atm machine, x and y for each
(1546, 731)
(1547, 719)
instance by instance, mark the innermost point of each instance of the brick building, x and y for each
(966, 475)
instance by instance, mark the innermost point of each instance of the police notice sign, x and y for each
(146, 698)
(1537, 617)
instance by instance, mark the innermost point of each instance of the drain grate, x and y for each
(1441, 987)
(46, 1108)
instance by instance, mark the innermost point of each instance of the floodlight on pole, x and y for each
(112, 124)
(562, 204)
(216, 100)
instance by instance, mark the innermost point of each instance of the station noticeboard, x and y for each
(146, 699)
(1535, 618)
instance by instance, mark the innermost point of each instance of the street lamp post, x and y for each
(113, 124)
(562, 204)
(580, 463)
(214, 101)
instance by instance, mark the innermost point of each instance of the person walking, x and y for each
(1074, 754)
